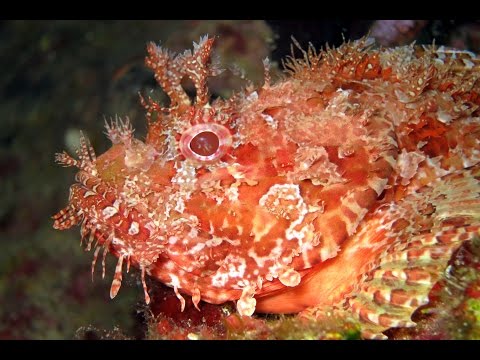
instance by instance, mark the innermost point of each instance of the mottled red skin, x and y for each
(350, 183)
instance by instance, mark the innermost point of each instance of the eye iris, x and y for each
(205, 143)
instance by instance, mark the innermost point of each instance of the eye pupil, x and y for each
(205, 143)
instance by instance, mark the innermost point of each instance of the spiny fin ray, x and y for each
(413, 259)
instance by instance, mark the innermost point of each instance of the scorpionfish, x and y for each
(348, 182)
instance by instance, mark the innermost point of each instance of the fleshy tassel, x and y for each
(196, 297)
(117, 279)
(145, 290)
(246, 304)
(180, 297)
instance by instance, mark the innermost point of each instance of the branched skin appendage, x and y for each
(119, 131)
(349, 183)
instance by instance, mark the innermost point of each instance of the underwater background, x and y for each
(60, 77)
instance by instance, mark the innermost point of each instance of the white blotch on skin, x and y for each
(134, 229)
(109, 211)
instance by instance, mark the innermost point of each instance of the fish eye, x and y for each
(205, 142)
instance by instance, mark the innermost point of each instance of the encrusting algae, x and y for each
(349, 183)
